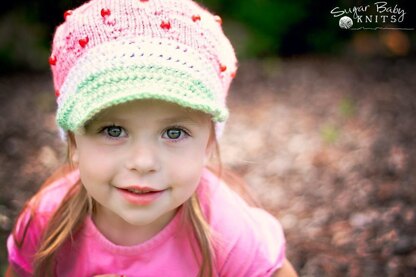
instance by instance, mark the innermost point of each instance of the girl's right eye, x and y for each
(113, 131)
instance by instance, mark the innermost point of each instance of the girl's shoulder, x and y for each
(49, 197)
(222, 203)
(24, 239)
(44, 203)
(249, 241)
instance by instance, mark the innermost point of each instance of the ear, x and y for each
(72, 148)
(211, 146)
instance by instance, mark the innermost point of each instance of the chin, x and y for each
(138, 220)
(145, 219)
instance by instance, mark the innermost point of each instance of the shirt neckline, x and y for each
(161, 237)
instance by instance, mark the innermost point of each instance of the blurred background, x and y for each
(322, 125)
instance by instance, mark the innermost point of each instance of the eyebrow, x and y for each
(186, 119)
(167, 120)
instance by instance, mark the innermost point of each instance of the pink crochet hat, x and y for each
(109, 52)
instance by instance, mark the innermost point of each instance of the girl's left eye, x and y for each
(114, 131)
(174, 134)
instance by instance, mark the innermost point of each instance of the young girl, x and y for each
(141, 88)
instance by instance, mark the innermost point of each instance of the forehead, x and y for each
(151, 110)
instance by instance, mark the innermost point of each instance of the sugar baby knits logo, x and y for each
(378, 15)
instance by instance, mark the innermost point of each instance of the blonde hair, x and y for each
(68, 219)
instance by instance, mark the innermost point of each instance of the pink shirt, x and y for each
(248, 241)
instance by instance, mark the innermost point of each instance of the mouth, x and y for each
(136, 191)
(140, 195)
(140, 190)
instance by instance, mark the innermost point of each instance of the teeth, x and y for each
(138, 191)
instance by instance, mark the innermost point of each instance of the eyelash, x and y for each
(104, 131)
(185, 133)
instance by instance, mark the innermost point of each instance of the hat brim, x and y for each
(123, 84)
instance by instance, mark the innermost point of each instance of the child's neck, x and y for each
(120, 232)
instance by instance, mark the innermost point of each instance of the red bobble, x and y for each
(196, 17)
(218, 19)
(223, 68)
(233, 74)
(67, 13)
(144, 0)
(165, 25)
(105, 12)
(83, 42)
(52, 60)
(57, 93)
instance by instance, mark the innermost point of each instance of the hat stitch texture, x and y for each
(108, 52)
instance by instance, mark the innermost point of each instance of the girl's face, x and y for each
(141, 160)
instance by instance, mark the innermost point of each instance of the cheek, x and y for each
(92, 161)
(187, 167)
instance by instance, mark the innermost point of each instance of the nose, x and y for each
(143, 158)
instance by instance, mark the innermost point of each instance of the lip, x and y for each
(147, 197)
(140, 188)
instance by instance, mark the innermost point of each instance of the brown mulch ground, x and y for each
(327, 145)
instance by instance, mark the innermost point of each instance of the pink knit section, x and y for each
(182, 21)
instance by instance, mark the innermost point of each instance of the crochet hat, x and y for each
(108, 52)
